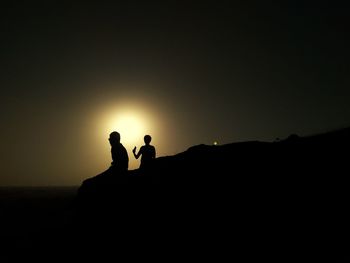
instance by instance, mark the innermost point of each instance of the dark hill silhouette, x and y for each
(283, 201)
(310, 159)
(280, 200)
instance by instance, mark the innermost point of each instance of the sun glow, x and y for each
(133, 121)
(131, 126)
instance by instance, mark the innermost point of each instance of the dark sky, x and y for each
(192, 73)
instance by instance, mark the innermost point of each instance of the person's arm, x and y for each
(138, 154)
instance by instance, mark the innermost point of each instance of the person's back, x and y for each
(120, 158)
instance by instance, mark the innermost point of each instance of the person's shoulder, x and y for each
(121, 146)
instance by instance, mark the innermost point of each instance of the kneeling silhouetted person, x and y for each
(147, 151)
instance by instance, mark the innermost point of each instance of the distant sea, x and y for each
(31, 218)
(26, 210)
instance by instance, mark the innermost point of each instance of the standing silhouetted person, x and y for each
(147, 151)
(120, 156)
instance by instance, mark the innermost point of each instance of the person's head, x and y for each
(114, 138)
(147, 139)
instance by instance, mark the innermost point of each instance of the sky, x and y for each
(185, 73)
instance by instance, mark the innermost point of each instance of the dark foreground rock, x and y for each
(285, 201)
(281, 201)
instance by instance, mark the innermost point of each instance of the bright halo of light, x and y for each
(132, 121)
(131, 127)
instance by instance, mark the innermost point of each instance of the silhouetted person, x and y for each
(120, 156)
(147, 152)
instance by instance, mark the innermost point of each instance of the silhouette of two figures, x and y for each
(120, 158)
(118, 171)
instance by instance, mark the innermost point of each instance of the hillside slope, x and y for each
(285, 200)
